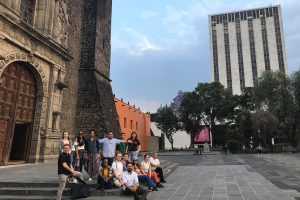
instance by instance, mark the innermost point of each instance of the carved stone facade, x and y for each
(66, 45)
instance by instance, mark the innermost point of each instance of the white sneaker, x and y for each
(90, 179)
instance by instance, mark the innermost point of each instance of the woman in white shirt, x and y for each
(155, 164)
(117, 168)
(146, 170)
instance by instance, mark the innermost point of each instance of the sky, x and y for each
(162, 46)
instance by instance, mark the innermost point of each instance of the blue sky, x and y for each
(162, 46)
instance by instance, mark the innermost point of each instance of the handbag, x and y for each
(79, 190)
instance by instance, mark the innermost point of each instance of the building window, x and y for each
(227, 57)
(137, 126)
(27, 11)
(215, 55)
(252, 50)
(125, 122)
(240, 54)
(131, 124)
(278, 40)
(265, 43)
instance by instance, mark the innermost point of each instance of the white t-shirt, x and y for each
(154, 162)
(130, 179)
(117, 165)
(145, 166)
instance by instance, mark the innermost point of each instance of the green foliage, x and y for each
(233, 146)
(167, 122)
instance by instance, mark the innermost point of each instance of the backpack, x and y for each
(140, 194)
(80, 190)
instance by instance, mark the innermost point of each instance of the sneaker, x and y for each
(159, 185)
(90, 179)
(154, 189)
(163, 181)
(150, 190)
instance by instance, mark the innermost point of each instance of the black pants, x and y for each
(102, 184)
(160, 173)
(139, 194)
(110, 160)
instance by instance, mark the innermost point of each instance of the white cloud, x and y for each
(146, 14)
(141, 43)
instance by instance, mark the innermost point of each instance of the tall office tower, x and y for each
(244, 44)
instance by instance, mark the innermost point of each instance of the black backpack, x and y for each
(141, 194)
(79, 190)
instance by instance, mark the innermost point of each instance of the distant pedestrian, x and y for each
(93, 161)
(259, 149)
(81, 154)
(122, 146)
(65, 170)
(133, 146)
(109, 147)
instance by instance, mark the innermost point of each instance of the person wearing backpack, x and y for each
(131, 184)
(93, 161)
(65, 170)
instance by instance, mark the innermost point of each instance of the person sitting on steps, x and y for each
(105, 178)
(155, 164)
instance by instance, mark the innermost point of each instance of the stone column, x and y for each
(55, 25)
(7, 3)
(15, 5)
(51, 17)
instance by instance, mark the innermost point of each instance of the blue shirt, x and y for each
(109, 146)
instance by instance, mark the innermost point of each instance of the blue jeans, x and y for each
(147, 179)
(133, 155)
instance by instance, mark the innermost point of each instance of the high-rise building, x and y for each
(244, 44)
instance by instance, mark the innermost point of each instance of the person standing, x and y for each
(65, 169)
(109, 147)
(80, 150)
(93, 161)
(122, 146)
(133, 146)
(155, 164)
(131, 184)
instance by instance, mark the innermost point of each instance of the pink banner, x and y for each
(202, 136)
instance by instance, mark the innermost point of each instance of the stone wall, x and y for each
(95, 103)
(75, 10)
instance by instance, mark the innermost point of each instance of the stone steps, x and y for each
(47, 190)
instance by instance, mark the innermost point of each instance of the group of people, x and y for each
(114, 161)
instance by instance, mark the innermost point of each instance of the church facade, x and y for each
(54, 75)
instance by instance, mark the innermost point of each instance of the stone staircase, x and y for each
(47, 190)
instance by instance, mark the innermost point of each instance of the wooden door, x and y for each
(17, 103)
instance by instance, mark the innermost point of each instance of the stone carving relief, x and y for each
(60, 32)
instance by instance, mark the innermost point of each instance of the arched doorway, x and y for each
(18, 94)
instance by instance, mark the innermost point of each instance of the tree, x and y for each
(273, 93)
(167, 122)
(216, 102)
(295, 88)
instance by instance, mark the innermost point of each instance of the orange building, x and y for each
(132, 119)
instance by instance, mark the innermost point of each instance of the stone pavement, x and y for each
(223, 182)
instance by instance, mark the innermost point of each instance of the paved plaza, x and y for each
(213, 176)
